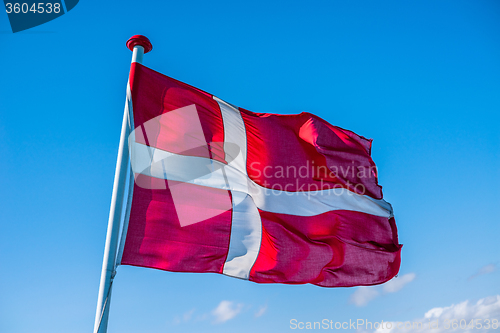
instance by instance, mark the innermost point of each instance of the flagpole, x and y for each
(138, 45)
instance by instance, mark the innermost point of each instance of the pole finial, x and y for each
(139, 40)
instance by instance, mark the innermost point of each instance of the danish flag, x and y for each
(265, 197)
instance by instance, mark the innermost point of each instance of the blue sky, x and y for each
(420, 78)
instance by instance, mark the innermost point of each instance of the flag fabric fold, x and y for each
(264, 197)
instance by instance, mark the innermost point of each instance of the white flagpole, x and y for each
(138, 45)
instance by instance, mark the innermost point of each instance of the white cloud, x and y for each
(363, 295)
(483, 312)
(202, 317)
(226, 310)
(398, 283)
(184, 318)
(261, 311)
(187, 315)
(484, 270)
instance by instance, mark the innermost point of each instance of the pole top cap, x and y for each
(139, 40)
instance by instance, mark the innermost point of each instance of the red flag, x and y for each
(264, 197)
